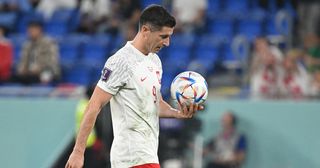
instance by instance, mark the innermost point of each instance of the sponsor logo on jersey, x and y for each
(143, 78)
(150, 69)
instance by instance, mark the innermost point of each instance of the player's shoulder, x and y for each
(120, 58)
(156, 59)
(122, 53)
(117, 58)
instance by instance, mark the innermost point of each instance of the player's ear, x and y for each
(144, 28)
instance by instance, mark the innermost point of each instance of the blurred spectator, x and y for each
(9, 5)
(309, 17)
(48, 7)
(127, 13)
(20, 5)
(228, 148)
(5, 56)
(277, 4)
(312, 57)
(190, 15)
(295, 80)
(315, 85)
(39, 60)
(95, 13)
(28, 5)
(265, 69)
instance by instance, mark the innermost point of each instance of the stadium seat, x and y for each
(287, 5)
(230, 60)
(222, 29)
(236, 7)
(77, 75)
(236, 53)
(279, 24)
(95, 75)
(118, 41)
(206, 55)
(166, 80)
(178, 58)
(60, 22)
(62, 15)
(77, 38)
(17, 41)
(145, 3)
(25, 18)
(56, 28)
(95, 51)
(250, 28)
(182, 41)
(257, 14)
(214, 6)
(75, 21)
(271, 28)
(8, 20)
(179, 52)
(69, 53)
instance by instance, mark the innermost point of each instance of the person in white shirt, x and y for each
(190, 14)
(266, 67)
(131, 81)
(48, 7)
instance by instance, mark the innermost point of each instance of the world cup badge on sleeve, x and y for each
(105, 74)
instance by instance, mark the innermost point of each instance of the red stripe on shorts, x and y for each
(149, 165)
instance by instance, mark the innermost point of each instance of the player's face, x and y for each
(159, 39)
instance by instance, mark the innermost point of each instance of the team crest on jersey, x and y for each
(105, 74)
(150, 69)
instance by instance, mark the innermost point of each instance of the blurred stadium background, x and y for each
(37, 121)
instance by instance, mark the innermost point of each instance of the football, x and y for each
(189, 87)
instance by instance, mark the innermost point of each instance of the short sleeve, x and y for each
(114, 75)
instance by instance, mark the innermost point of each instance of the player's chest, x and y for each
(147, 74)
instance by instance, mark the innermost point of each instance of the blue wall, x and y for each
(281, 134)
(34, 131)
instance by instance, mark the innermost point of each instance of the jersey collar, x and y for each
(136, 51)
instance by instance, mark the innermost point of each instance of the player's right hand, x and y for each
(187, 111)
(75, 160)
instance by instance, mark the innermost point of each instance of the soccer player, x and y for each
(131, 81)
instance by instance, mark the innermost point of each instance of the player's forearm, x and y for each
(169, 113)
(166, 111)
(98, 99)
(87, 125)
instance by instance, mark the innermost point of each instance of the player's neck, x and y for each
(138, 43)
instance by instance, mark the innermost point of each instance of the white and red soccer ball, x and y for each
(189, 87)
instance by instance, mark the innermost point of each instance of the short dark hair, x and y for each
(36, 23)
(157, 17)
(234, 120)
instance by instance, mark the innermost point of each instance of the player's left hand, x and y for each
(188, 111)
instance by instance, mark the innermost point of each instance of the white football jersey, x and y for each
(134, 80)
